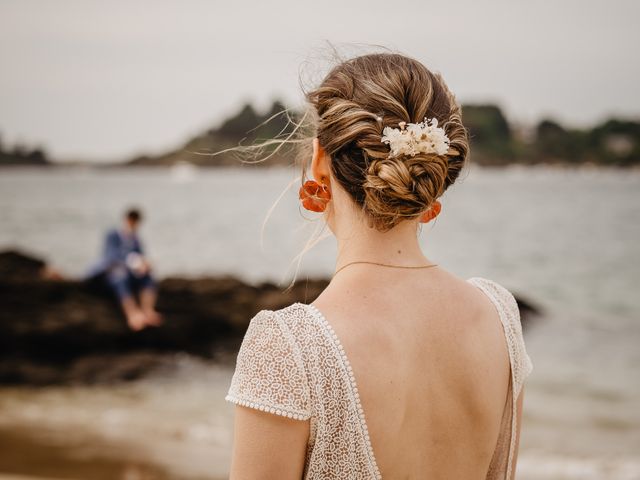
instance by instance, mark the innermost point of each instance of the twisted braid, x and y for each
(353, 105)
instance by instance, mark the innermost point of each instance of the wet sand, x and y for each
(51, 455)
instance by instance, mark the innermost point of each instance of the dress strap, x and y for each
(509, 313)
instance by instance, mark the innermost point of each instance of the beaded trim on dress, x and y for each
(292, 363)
(352, 378)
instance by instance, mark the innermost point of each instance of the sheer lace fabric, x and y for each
(292, 363)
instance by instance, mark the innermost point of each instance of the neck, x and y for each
(399, 246)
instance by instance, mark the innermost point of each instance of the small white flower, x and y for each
(413, 138)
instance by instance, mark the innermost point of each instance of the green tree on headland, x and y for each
(555, 143)
(614, 142)
(21, 155)
(244, 128)
(490, 134)
(248, 124)
(494, 141)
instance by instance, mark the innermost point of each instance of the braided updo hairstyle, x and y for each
(353, 104)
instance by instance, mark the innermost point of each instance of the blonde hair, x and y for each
(349, 110)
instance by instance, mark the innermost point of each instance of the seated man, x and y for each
(128, 273)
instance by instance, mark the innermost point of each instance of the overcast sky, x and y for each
(104, 80)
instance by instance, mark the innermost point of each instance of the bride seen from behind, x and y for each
(399, 369)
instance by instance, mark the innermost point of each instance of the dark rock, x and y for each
(61, 331)
(527, 310)
(69, 331)
(16, 265)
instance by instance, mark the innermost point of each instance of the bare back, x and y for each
(431, 362)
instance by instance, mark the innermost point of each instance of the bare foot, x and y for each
(153, 318)
(137, 321)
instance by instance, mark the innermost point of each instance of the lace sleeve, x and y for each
(269, 373)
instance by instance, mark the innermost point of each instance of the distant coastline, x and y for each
(494, 142)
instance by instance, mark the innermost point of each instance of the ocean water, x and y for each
(564, 239)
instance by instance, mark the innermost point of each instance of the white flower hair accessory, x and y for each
(413, 138)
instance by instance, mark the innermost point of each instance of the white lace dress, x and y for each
(291, 363)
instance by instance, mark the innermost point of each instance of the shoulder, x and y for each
(270, 373)
(509, 312)
(297, 315)
(502, 298)
(491, 285)
(283, 319)
(291, 326)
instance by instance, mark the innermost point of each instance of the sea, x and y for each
(564, 239)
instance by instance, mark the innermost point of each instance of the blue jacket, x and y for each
(116, 247)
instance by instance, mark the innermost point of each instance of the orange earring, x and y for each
(432, 213)
(314, 196)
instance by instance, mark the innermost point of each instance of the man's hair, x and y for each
(133, 215)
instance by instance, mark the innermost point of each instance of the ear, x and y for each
(320, 163)
(431, 213)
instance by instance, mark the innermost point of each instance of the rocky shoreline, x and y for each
(55, 331)
(65, 331)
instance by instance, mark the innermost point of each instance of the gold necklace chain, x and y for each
(411, 267)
